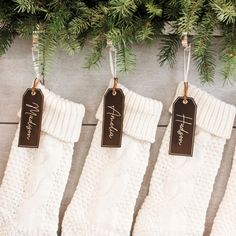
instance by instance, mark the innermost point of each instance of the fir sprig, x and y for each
(225, 10)
(70, 24)
(169, 46)
(228, 54)
(203, 55)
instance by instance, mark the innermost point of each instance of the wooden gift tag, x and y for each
(31, 118)
(183, 127)
(113, 114)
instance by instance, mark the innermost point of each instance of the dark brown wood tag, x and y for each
(113, 114)
(31, 118)
(183, 127)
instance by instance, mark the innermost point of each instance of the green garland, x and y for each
(68, 24)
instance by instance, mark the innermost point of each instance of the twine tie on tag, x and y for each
(112, 50)
(114, 86)
(35, 84)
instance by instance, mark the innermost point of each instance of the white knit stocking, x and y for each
(225, 221)
(104, 201)
(35, 179)
(181, 187)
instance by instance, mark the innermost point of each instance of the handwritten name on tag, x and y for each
(183, 127)
(113, 118)
(31, 118)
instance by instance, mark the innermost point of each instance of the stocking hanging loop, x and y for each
(187, 58)
(37, 55)
(112, 53)
(112, 58)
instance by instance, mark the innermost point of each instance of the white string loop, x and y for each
(36, 54)
(113, 66)
(187, 60)
(187, 55)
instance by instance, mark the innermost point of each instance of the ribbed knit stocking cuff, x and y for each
(61, 118)
(141, 115)
(213, 115)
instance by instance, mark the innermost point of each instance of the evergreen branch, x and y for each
(47, 47)
(78, 25)
(95, 56)
(28, 6)
(125, 58)
(202, 53)
(69, 43)
(229, 65)
(171, 11)
(146, 32)
(205, 65)
(228, 54)
(121, 35)
(6, 39)
(122, 8)
(26, 26)
(153, 10)
(225, 10)
(68, 24)
(169, 47)
(190, 15)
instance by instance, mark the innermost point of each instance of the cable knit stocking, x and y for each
(104, 201)
(225, 221)
(35, 179)
(181, 187)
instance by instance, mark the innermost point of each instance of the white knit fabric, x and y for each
(181, 186)
(225, 221)
(105, 197)
(35, 179)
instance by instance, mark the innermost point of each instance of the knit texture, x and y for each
(104, 201)
(35, 179)
(181, 187)
(225, 221)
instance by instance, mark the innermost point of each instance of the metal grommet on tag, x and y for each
(35, 84)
